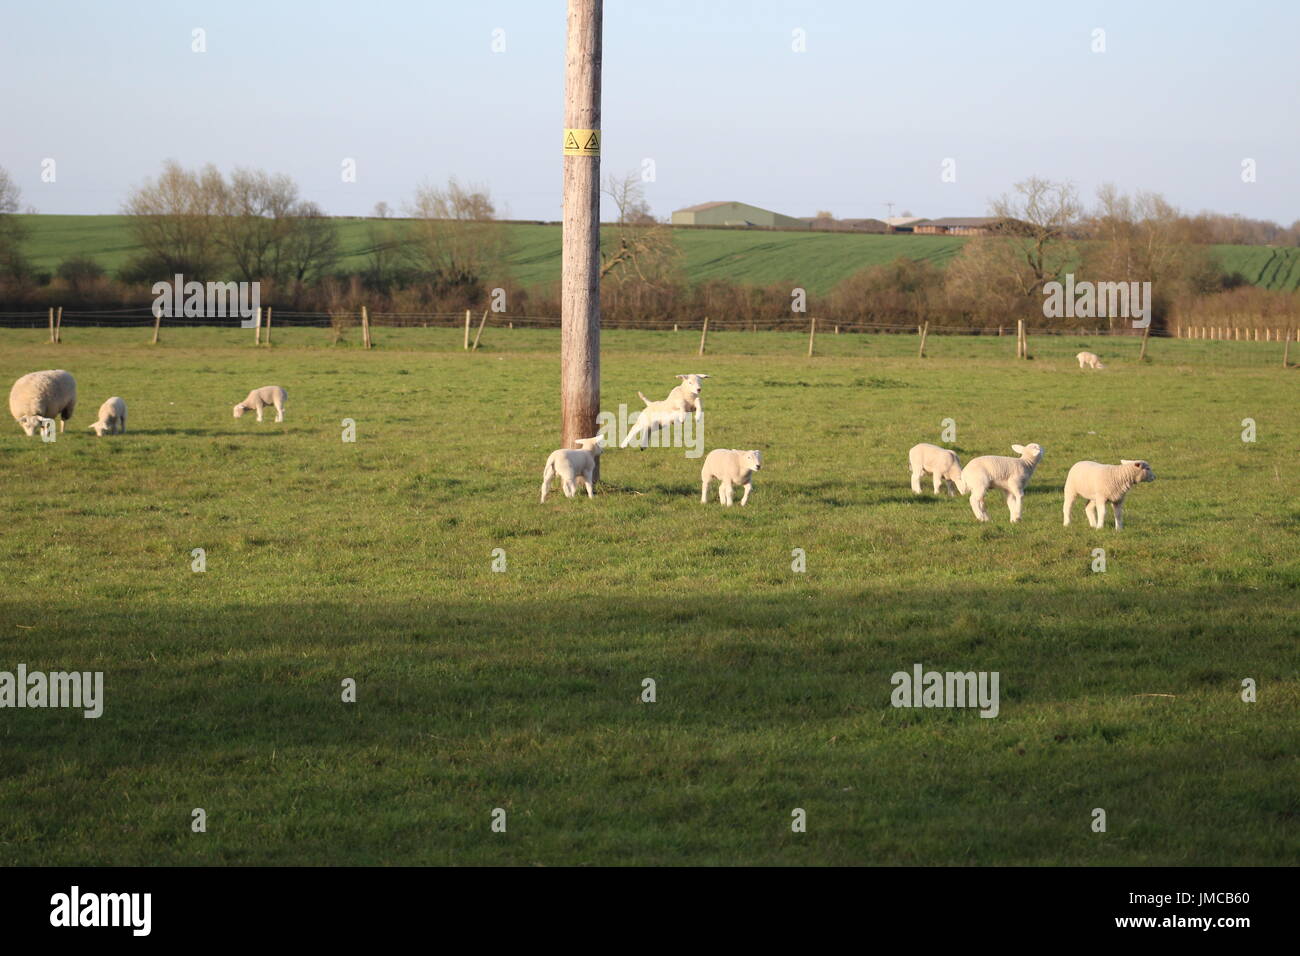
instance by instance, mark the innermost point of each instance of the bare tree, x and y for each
(1040, 218)
(12, 231)
(257, 216)
(643, 248)
(172, 219)
(454, 240)
(312, 247)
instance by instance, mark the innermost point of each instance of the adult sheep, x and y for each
(37, 395)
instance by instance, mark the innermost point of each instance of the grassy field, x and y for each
(520, 690)
(816, 261)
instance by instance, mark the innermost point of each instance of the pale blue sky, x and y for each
(711, 91)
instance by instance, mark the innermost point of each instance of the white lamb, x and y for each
(572, 465)
(40, 396)
(996, 471)
(675, 409)
(112, 418)
(942, 464)
(1089, 360)
(1103, 483)
(730, 467)
(260, 398)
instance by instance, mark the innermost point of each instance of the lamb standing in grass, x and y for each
(572, 465)
(112, 418)
(260, 398)
(1099, 484)
(681, 402)
(942, 463)
(730, 467)
(1089, 360)
(43, 395)
(996, 471)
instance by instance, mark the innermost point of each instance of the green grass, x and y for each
(815, 261)
(520, 689)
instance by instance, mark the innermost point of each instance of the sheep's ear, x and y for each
(1018, 449)
(682, 377)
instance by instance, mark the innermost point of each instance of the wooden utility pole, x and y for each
(580, 275)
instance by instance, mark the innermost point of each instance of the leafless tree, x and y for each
(172, 219)
(13, 263)
(643, 248)
(1040, 220)
(453, 239)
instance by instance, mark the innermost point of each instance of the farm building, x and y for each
(733, 214)
(903, 223)
(847, 225)
(960, 226)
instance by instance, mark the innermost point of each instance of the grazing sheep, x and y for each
(680, 403)
(43, 395)
(112, 418)
(730, 467)
(572, 465)
(942, 463)
(996, 471)
(1102, 483)
(260, 398)
(1089, 360)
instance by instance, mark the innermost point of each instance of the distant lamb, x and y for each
(1100, 484)
(112, 418)
(572, 465)
(260, 398)
(942, 464)
(996, 471)
(680, 403)
(43, 395)
(730, 467)
(1089, 360)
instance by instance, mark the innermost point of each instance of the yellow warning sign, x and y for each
(582, 142)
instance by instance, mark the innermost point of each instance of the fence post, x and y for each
(1146, 332)
(157, 321)
(51, 325)
(257, 333)
(1286, 352)
(704, 334)
(467, 314)
(812, 334)
(365, 328)
(1020, 344)
(268, 325)
(925, 330)
(482, 322)
(58, 325)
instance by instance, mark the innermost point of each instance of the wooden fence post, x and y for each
(257, 333)
(1024, 339)
(365, 328)
(1020, 341)
(1286, 352)
(1146, 333)
(268, 325)
(704, 334)
(51, 325)
(925, 330)
(482, 322)
(467, 315)
(812, 334)
(58, 325)
(157, 321)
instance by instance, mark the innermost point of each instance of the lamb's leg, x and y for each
(704, 493)
(1014, 500)
(977, 504)
(569, 488)
(279, 412)
(1090, 509)
(916, 480)
(1118, 506)
(744, 499)
(547, 474)
(725, 489)
(938, 481)
(259, 413)
(631, 434)
(1069, 505)
(586, 480)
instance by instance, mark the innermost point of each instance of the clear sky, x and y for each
(712, 92)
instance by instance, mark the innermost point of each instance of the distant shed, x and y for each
(733, 214)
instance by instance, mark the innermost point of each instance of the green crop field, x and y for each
(815, 260)
(521, 689)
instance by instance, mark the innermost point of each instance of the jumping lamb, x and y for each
(572, 465)
(1100, 484)
(43, 395)
(942, 464)
(112, 418)
(680, 403)
(260, 398)
(1089, 360)
(996, 471)
(730, 467)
